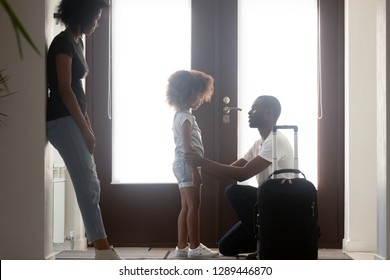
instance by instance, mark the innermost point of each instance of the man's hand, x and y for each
(193, 158)
(196, 177)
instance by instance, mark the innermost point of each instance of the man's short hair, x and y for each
(273, 103)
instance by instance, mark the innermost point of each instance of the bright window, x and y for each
(151, 39)
(278, 56)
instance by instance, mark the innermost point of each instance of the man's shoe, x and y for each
(251, 256)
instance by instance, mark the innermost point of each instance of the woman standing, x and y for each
(68, 126)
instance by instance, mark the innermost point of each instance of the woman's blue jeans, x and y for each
(65, 135)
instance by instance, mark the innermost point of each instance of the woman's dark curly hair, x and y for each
(79, 13)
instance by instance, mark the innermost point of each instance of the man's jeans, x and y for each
(241, 237)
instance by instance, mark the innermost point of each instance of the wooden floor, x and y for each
(136, 253)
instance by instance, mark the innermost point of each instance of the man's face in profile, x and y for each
(257, 114)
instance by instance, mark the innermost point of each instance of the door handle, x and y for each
(226, 109)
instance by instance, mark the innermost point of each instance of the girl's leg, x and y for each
(182, 222)
(192, 196)
(193, 199)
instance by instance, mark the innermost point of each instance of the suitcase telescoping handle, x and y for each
(274, 157)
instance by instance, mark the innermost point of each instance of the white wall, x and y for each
(383, 189)
(25, 195)
(366, 128)
(360, 125)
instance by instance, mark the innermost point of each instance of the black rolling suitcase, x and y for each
(286, 213)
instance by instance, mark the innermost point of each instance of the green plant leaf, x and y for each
(3, 85)
(3, 81)
(18, 27)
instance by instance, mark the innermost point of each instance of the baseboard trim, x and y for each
(359, 245)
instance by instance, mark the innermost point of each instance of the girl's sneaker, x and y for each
(201, 252)
(181, 253)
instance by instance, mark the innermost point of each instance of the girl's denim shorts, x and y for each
(183, 173)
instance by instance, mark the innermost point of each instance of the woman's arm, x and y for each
(64, 76)
(88, 121)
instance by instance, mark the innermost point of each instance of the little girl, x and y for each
(187, 90)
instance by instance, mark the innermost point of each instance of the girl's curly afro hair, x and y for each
(185, 86)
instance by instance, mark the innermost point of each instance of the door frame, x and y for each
(331, 125)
